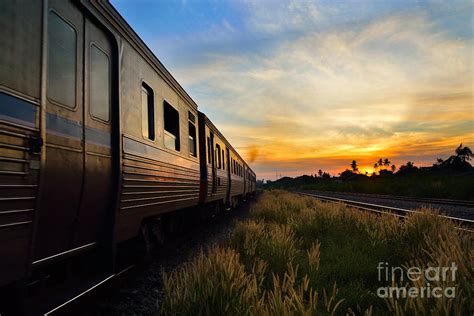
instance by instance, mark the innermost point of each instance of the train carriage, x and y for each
(222, 173)
(96, 138)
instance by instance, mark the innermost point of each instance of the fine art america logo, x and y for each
(422, 282)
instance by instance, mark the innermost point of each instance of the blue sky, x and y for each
(301, 85)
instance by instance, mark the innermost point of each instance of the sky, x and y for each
(298, 85)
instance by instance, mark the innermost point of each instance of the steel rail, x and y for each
(91, 288)
(461, 223)
(452, 202)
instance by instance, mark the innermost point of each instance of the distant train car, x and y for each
(97, 140)
(222, 169)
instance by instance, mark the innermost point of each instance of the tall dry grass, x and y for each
(298, 256)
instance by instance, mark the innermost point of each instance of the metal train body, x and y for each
(96, 136)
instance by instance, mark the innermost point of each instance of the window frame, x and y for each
(223, 160)
(52, 101)
(178, 137)
(209, 150)
(92, 43)
(218, 156)
(194, 139)
(147, 88)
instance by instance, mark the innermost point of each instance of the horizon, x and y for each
(302, 86)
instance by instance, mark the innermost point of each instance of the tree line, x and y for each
(459, 162)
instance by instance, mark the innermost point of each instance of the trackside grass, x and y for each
(298, 256)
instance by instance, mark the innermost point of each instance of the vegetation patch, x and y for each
(298, 256)
(452, 178)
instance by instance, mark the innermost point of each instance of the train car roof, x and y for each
(115, 19)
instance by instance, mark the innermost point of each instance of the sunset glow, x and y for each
(299, 86)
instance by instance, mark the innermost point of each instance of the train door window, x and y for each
(223, 159)
(209, 150)
(148, 112)
(192, 135)
(99, 84)
(171, 127)
(61, 61)
(218, 156)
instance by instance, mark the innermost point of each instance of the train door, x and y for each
(227, 156)
(60, 190)
(213, 160)
(96, 191)
(77, 141)
(244, 175)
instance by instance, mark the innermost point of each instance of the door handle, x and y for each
(34, 144)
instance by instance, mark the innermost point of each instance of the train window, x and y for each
(61, 61)
(218, 156)
(171, 127)
(191, 117)
(99, 84)
(223, 159)
(192, 139)
(209, 150)
(148, 112)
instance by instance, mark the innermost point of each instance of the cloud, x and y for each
(269, 16)
(303, 85)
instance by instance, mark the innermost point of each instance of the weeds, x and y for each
(289, 256)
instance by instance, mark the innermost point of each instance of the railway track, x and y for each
(461, 223)
(71, 304)
(450, 202)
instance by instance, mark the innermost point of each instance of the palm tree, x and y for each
(393, 168)
(464, 153)
(386, 162)
(354, 166)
